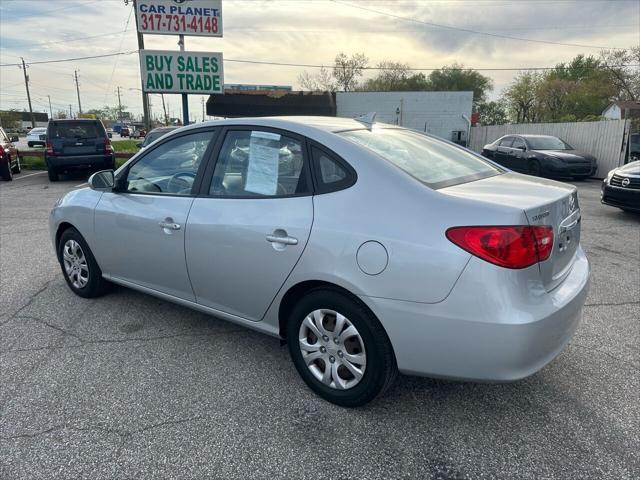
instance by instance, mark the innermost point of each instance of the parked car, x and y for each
(634, 147)
(369, 248)
(540, 155)
(77, 144)
(37, 136)
(9, 156)
(110, 132)
(139, 133)
(621, 188)
(125, 132)
(155, 134)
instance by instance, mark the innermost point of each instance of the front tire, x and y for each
(534, 168)
(30, 144)
(340, 349)
(79, 266)
(18, 167)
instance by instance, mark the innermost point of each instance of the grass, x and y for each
(126, 146)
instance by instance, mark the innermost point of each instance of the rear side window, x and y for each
(434, 162)
(331, 173)
(76, 130)
(506, 142)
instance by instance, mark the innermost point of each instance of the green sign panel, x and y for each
(168, 71)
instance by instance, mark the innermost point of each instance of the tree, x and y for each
(346, 70)
(321, 81)
(456, 78)
(61, 114)
(624, 76)
(521, 97)
(492, 113)
(392, 77)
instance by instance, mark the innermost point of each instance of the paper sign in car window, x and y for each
(262, 171)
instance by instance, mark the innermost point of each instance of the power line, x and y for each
(71, 59)
(468, 30)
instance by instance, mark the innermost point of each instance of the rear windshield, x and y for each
(76, 130)
(435, 163)
(548, 143)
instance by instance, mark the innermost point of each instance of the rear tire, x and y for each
(5, 171)
(30, 144)
(79, 266)
(53, 174)
(365, 347)
(534, 168)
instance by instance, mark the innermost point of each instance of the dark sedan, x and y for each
(540, 155)
(621, 188)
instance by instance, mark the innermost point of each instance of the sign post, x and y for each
(180, 72)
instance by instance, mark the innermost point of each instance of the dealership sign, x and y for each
(169, 71)
(180, 17)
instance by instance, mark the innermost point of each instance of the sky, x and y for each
(296, 31)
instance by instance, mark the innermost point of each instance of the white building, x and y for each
(445, 114)
(622, 109)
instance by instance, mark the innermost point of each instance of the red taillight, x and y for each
(107, 146)
(50, 149)
(1, 152)
(506, 246)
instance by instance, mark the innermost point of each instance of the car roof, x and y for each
(301, 124)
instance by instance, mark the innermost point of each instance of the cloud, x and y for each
(296, 32)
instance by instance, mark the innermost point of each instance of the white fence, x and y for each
(606, 140)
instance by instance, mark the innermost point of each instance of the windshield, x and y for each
(76, 130)
(435, 163)
(548, 143)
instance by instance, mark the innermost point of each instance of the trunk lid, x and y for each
(544, 202)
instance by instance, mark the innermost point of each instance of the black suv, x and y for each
(75, 144)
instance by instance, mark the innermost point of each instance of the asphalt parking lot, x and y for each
(129, 386)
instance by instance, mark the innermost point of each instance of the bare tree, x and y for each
(321, 81)
(347, 70)
(622, 66)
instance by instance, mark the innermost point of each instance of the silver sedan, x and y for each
(370, 249)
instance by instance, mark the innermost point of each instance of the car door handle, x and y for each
(170, 225)
(283, 240)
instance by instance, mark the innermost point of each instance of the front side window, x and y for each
(257, 163)
(506, 142)
(433, 162)
(518, 143)
(170, 168)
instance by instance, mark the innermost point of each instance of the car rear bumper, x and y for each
(482, 332)
(627, 198)
(81, 161)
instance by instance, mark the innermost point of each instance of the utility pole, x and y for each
(78, 90)
(202, 108)
(119, 107)
(70, 114)
(185, 97)
(164, 109)
(145, 102)
(50, 109)
(26, 83)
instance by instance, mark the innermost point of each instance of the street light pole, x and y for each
(145, 101)
(185, 97)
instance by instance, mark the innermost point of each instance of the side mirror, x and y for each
(139, 144)
(103, 180)
(15, 138)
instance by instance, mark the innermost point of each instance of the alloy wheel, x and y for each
(75, 264)
(332, 349)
